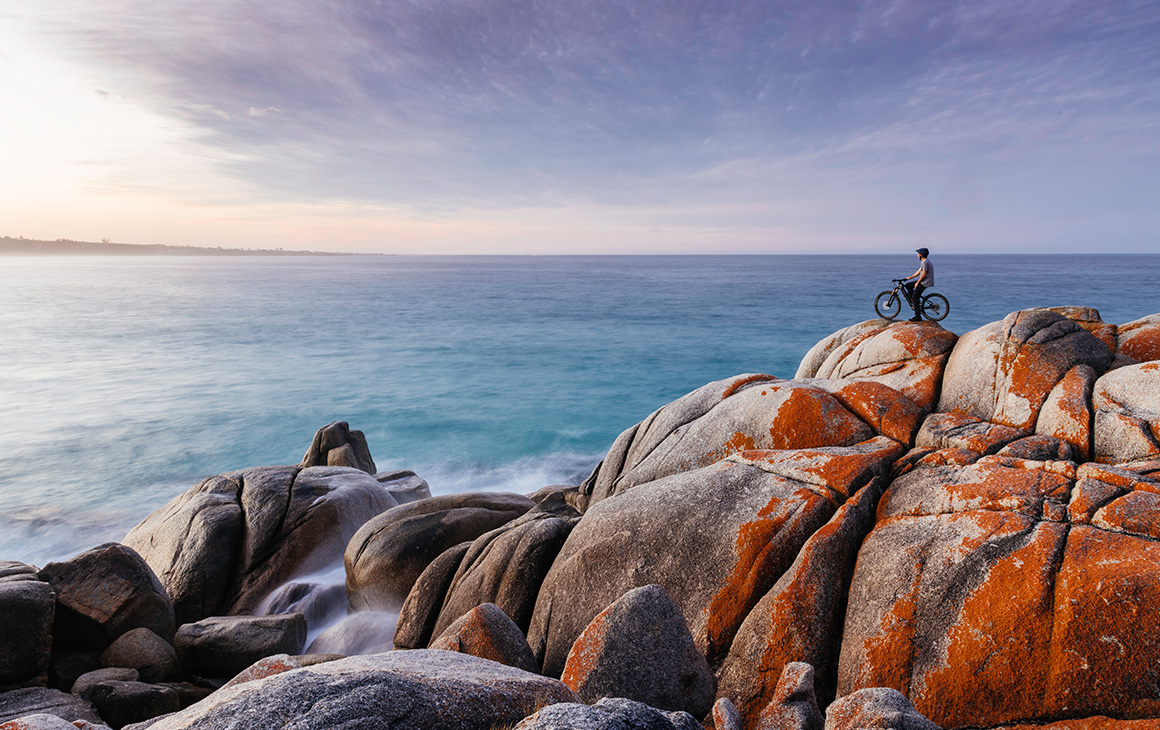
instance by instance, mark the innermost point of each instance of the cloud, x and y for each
(444, 104)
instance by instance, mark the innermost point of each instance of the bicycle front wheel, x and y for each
(935, 307)
(887, 305)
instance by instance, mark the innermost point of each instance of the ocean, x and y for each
(126, 380)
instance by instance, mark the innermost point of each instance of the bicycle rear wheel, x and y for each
(935, 307)
(887, 305)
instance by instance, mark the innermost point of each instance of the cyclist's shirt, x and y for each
(927, 278)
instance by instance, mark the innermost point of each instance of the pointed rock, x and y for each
(794, 705)
(488, 633)
(640, 648)
(337, 445)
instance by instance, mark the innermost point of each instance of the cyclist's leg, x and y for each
(916, 299)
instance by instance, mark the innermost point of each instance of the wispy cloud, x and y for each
(443, 105)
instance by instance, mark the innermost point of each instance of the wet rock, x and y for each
(507, 565)
(877, 707)
(223, 546)
(404, 485)
(960, 431)
(27, 608)
(716, 539)
(906, 356)
(610, 713)
(747, 412)
(488, 633)
(1140, 340)
(146, 652)
(40, 700)
(104, 592)
(365, 632)
(641, 649)
(798, 622)
(318, 603)
(1004, 371)
(421, 609)
(440, 689)
(337, 445)
(1126, 402)
(387, 554)
(121, 703)
(222, 646)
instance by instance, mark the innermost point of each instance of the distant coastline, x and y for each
(66, 247)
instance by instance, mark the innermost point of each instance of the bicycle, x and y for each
(887, 304)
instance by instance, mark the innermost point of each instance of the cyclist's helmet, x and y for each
(922, 252)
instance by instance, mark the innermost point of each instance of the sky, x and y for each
(585, 126)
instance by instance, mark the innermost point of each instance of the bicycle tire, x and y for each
(935, 307)
(887, 305)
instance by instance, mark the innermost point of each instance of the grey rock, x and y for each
(188, 693)
(875, 707)
(421, 688)
(726, 716)
(421, 608)
(222, 646)
(122, 703)
(40, 700)
(1004, 371)
(319, 603)
(226, 544)
(41, 721)
(640, 648)
(507, 565)
(388, 553)
(960, 431)
(88, 680)
(794, 706)
(145, 651)
(749, 411)
(488, 633)
(104, 592)
(1126, 402)
(1039, 448)
(799, 621)
(717, 539)
(404, 485)
(365, 632)
(27, 608)
(65, 667)
(337, 445)
(607, 714)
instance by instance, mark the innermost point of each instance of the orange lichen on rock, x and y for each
(997, 642)
(1067, 412)
(587, 648)
(1107, 626)
(922, 458)
(1099, 722)
(1140, 340)
(740, 383)
(809, 417)
(984, 485)
(962, 431)
(267, 667)
(761, 559)
(839, 470)
(885, 409)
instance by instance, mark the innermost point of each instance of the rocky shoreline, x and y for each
(919, 530)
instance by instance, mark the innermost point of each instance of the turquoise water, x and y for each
(124, 381)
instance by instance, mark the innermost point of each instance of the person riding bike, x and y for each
(925, 276)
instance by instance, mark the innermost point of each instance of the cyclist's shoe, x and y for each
(914, 319)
